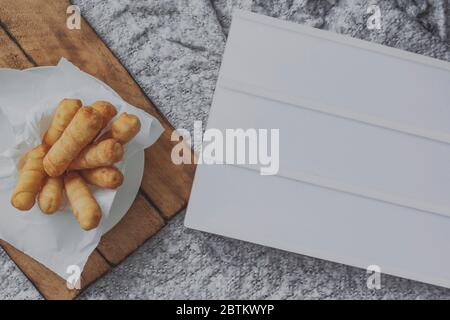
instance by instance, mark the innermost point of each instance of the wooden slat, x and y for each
(39, 26)
(141, 222)
(10, 54)
(49, 283)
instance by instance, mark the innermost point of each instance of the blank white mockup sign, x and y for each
(364, 130)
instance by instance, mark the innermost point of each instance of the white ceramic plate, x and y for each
(133, 170)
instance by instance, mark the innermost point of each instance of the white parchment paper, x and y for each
(27, 103)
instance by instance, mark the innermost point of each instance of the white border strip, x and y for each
(342, 39)
(369, 193)
(304, 103)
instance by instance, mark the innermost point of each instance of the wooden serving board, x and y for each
(34, 33)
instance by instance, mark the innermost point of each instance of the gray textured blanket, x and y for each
(173, 48)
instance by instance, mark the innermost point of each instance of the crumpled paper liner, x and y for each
(27, 102)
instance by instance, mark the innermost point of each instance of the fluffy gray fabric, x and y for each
(173, 49)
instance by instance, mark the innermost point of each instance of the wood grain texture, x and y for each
(40, 29)
(141, 222)
(49, 284)
(10, 54)
(34, 33)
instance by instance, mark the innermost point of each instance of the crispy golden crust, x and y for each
(65, 112)
(31, 179)
(104, 153)
(83, 128)
(84, 206)
(104, 177)
(106, 109)
(51, 195)
(125, 128)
